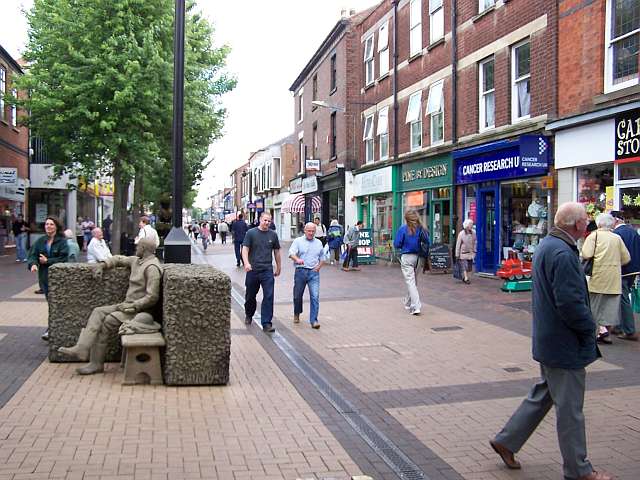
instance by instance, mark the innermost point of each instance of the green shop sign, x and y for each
(424, 174)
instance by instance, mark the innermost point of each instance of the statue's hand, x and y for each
(127, 307)
(97, 272)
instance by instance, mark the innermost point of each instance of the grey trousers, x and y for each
(105, 321)
(563, 389)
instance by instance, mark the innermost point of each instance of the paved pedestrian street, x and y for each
(375, 391)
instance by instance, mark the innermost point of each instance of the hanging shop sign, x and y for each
(312, 165)
(295, 185)
(310, 184)
(8, 176)
(423, 174)
(366, 252)
(528, 156)
(627, 136)
(375, 181)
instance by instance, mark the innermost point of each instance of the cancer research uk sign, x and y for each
(527, 157)
(628, 136)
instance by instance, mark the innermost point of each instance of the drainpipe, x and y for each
(454, 108)
(395, 80)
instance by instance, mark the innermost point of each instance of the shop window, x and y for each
(470, 203)
(415, 27)
(592, 187)
(383, 225)
(622, 44)
(520, 81)
(383, 49)
(630, 205)
(383, 132)
(629, 171)
(367, 138)
(487, 95)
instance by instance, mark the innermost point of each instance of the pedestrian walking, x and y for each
(223, 229)
(98, 250)
(259, 245)
(213, 229)
(106, 228)
(408, 240)
(605, 285)
(308, 255)
(321, 231)
(351, 240)
(147, 231)
(48, 250)
(564, 343)
(72, 245)
(466, 247)
(87, 226)
(20, 230)
(205, 234)
(630, 271)
(334, 238)
(239, 229)
(195, 229)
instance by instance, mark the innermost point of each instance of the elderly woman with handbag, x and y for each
(608, 254)
(466, 245)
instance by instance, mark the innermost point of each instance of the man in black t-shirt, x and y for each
(258, 246)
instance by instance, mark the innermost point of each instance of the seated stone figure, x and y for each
(142, 295)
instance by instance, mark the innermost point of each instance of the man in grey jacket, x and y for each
(564, 343)
(351, 240)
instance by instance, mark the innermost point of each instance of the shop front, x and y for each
(426, 187)
(333, 202)
(374, 192)
(506, 191)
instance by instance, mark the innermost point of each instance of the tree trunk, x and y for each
(120, 197)
(138, 192)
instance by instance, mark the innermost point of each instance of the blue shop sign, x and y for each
(526, 157)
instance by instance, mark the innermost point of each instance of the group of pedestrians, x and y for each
(208, 232)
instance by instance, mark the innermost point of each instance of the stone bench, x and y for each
(142, 358)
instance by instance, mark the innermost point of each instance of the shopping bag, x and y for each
(635, 298)
(344, 254)
(457, 269)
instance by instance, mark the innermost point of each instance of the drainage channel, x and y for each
(378, 441)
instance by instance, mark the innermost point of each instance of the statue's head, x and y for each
(145, 248)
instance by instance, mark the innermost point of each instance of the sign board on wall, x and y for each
(8, 176)
(295, 185)
(627, 136)
(375, 181)
(313, 165)
(310, 184)
(423, 174)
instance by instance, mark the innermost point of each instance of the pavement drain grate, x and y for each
(513, 369)
(446, 329)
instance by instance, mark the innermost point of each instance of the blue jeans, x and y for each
(237, 247)
(21, 247)
(301, 279)
(627, 322)
(253, 281)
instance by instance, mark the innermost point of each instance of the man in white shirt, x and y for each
(98, 250)
(147, 231)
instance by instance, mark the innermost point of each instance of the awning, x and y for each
(295, 204)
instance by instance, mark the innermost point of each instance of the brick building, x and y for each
(597, 148)
(14, 146)
(467, 108)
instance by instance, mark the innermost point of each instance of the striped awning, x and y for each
(230, 217)
(295, 204)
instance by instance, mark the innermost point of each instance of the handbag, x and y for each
(425, 243)
(457, 269)
(587, 264)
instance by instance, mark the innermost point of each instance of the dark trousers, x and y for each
(627, 322)
(352, 256)
(253, 281)
(237, 248)
(223, 235)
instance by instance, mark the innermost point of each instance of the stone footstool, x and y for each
(142, 358)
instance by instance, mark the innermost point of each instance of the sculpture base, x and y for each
(177, 247)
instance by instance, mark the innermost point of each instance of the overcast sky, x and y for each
(271, 43)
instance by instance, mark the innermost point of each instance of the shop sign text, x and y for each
(295, 185)
(309, 184)
(375, 181)
(365, 246)
(8, 176)
(628, 135)
(425, 172)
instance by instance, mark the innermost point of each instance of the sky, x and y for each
(271, 42)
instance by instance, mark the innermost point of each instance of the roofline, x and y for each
(334, 34)
(14, 64)
(589, 117)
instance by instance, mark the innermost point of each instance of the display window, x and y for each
(630, 205)
(46, 202)
(418, 201)
(525, 210)
(382, 224)
(470, 203)
(593, 181)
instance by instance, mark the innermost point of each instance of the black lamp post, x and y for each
(177, 246)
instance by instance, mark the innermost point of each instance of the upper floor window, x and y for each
(302, 150)
(383, 49)
(487, 95)
(368, 60)
(485, 4)
(334, 72)
(414, 119)
(622, 43)
(334, 135)
(314, 147)
(415, 27)
(520, 81)
(436, 20)
(14, 109)
(383, 132)
(435, 108)
(300, 106)
(3, 89)
(276, 172)
(314, 93)
(367, 138)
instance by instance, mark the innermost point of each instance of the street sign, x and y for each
(313, 165)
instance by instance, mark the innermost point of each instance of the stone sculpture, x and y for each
(142, 296)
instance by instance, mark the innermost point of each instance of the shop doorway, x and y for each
(440, 228)
(487, 257)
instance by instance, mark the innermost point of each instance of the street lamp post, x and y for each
(177, 246)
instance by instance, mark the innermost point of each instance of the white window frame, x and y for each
(300, 106)
(435, 110)
(609, 86)
(514, 83)
(277, 174)
(436, 20)
(3, 89)
(483, 95)
(383, 49)
(485, 5)
(415, 27)
(369, 62)
(367, 138)
(414, 119)
(301, 150)
(383, 132)
(14, 109)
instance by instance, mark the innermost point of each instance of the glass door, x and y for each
(487, 231)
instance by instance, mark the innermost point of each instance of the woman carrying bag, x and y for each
(466, 245)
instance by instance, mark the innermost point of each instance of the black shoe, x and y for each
(39, 291)
(248, 320)
(237, 264)
(268, 328)
(45, 336)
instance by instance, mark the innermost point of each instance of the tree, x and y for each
(100, 81)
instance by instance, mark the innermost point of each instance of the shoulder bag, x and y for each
(587, 264)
